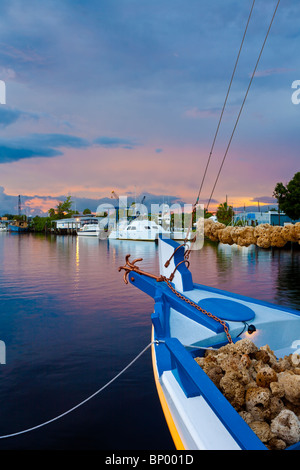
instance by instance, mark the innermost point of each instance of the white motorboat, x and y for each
(146, 230)
(89, 230)
(138, 229)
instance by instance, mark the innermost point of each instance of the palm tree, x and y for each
(225, 213)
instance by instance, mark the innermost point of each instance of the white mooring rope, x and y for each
(84, 401)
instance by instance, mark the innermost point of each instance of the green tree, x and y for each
(288, 197)
(225, 213)
(207, 214)
(41, 224)
(86, 211)
(51, 213)
(63, 209)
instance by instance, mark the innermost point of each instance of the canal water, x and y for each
(70, 324)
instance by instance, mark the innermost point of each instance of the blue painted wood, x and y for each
(186, 275)
(150, 286)
(225, 309)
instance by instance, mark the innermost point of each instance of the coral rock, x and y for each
(291, 384)
(245, 346)
(276, 406)
(276, 444)
(246, 237)
(264, 235)
(232, 389)
(225, 236)
(247, 417)
(265, 376)
(262, 430)
(264, 390)
(286, 427)
(277, 389)
(289, 233)
(257, 401)
(215, 374)
(297, 231)
(277, 238)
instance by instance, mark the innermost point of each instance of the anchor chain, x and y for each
(130, 266)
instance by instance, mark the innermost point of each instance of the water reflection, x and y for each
(272, 275)
(70, 324)
(288, 278)
(148, 251)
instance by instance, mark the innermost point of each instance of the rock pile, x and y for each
(264, 235)
(263, 389)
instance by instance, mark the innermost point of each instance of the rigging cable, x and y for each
(243, 103)
(224, 105)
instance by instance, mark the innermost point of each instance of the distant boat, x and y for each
(138, 229)
(19, 226)
(145, 230)
(89, 230)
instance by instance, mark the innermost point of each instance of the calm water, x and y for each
(70, 325)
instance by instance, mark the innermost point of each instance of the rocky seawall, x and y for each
(264, 235)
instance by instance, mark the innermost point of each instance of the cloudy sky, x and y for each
(126, 95)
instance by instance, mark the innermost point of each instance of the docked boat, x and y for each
(18, 226)
(89, 230)
(146, 230)
(189, 319)
(138, 229)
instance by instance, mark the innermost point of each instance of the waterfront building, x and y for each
(257, 218)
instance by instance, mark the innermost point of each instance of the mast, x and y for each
(19, 205)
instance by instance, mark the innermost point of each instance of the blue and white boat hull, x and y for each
(198, 414)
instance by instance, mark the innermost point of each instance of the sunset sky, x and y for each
(126, 95)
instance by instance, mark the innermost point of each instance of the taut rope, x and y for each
(5, 436)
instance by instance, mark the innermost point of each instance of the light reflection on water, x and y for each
(70, 324)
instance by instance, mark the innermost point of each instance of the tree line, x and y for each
(63, 210)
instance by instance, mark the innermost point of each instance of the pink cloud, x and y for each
(43, 204)
(275, 71)
(196, 113)
(19, 54)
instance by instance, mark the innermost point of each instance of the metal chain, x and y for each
(130, 266)
(190, 302)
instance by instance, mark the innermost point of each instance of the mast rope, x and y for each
(218, 126)
(243, 103)
(84, 401)
(224, 105)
